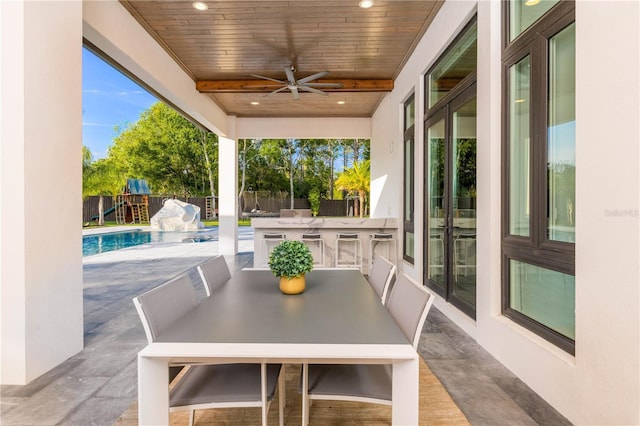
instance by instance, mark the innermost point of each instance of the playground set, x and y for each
(132, 206)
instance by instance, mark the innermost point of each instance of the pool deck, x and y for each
(178, 249)
(97, 385)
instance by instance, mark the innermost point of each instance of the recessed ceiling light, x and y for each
(519, 101)
(198, 5)
(340, 102)
(255, 103)
(531, 2)
(366, 4)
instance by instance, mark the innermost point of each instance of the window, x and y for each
(525, 13)
(538, 237)
(409, 180)
(459, 61)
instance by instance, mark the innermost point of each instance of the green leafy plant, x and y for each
(314, 200)
(290, 259)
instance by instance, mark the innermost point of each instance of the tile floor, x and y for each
(95, 386)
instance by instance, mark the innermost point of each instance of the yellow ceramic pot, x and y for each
(293, 285)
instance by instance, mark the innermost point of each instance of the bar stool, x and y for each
(315, 240)
(464, 249)
(270, 241)
(353, 239)
(386, 238)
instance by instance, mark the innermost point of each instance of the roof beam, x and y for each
(259, 86)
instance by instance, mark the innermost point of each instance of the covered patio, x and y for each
(598, 382)
(100, 382)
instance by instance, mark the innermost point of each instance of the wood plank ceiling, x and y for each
(224, 47)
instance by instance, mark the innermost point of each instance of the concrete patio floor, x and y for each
(97, 385)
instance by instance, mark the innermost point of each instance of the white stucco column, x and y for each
(228, 191)
(40, 187)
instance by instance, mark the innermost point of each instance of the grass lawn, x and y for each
(207, 223)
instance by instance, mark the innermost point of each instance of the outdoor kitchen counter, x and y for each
(328, 228)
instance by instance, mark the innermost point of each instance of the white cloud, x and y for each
(88, 123)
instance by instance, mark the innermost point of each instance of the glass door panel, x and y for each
(463, 160)
(450, 183)
(437, 219)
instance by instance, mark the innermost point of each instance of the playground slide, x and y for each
(108, 211)
(176, 215)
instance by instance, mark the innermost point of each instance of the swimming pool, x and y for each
(100, 243)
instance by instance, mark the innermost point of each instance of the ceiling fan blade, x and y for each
(276, 91)
(313, 77)
(268, 78)
(333, 85)
(290, 77)
(312, 90)
(294, 90)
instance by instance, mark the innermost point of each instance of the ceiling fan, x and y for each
(305, 84)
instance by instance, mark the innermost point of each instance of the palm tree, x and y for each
(357, 179)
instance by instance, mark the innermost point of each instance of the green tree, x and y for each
(101, 177)
(87, 159)
(248, 151)
(356, 179)
(170, 152)
(267, 168)
(314, 169)
(292, 151)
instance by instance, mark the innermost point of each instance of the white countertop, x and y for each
(324, 222)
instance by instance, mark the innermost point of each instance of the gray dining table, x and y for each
(338, 319)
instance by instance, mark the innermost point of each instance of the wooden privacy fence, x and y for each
(266, 205)
(90, 206)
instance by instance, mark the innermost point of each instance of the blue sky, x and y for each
(109, 99)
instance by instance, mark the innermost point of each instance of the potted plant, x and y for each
(289, 261)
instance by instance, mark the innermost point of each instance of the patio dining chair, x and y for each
(380, 276)
(207, 386)
(214, 273)
(408, 304)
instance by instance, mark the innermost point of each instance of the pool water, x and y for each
(100, 243)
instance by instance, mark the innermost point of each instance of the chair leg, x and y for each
(305, 394)
(281, 396)
(263, 392)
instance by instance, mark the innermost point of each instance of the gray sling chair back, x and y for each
(380, 276)
(214, 273)
(207, 386)
(408, 304)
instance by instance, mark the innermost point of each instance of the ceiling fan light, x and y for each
(198, 5)
(366, 4)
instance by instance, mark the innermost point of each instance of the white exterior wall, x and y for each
(607, 203)
(41, 199)
(601, 384)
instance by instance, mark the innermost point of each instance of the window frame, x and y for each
(536, 248)
(408, 143)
